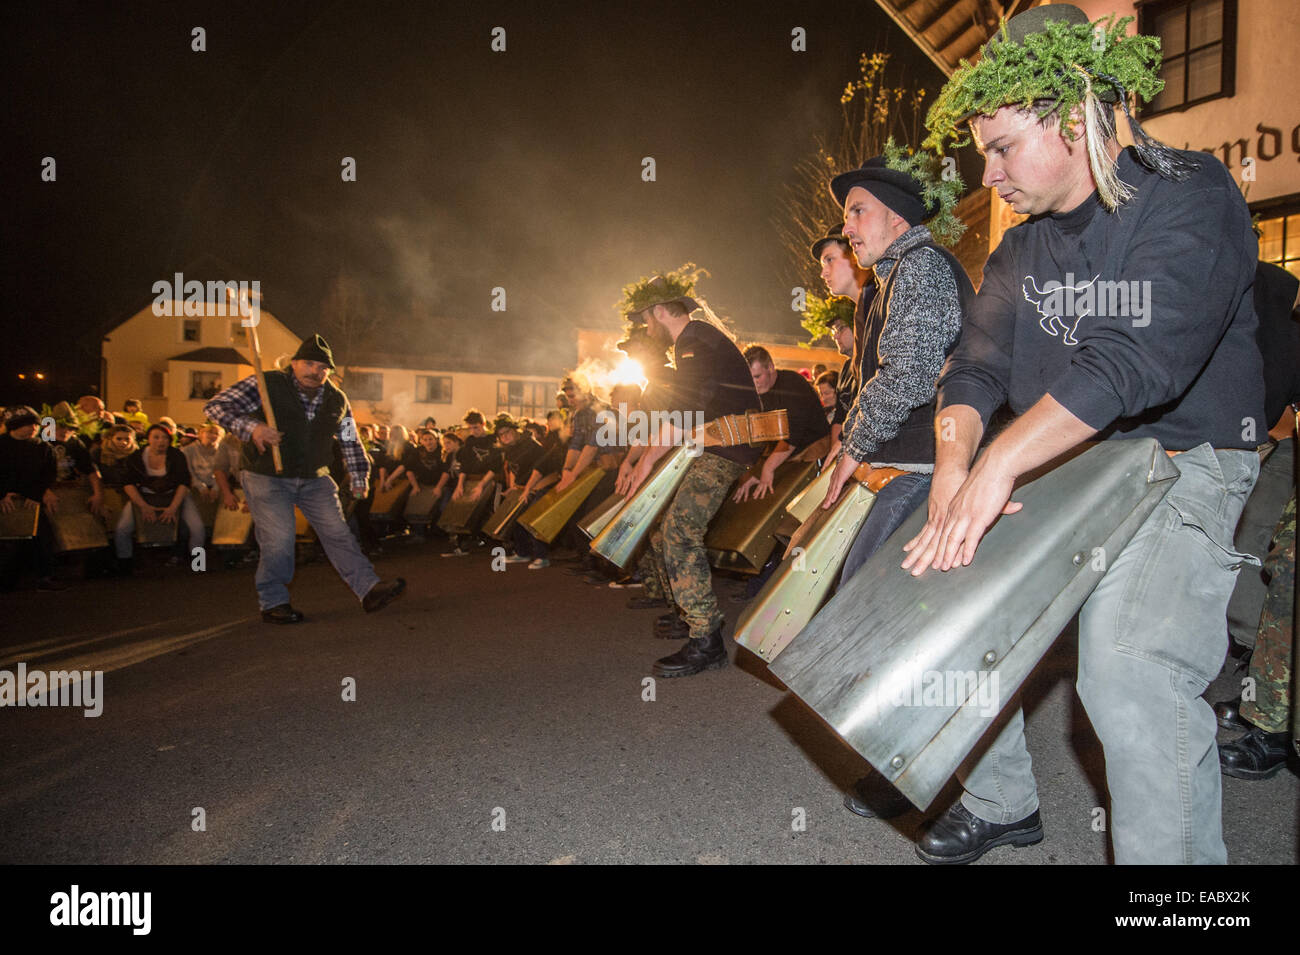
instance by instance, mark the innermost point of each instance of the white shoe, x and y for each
(539, 563)
(458, 552)
(518, 559)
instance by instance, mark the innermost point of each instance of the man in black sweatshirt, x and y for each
(710, 381)
(1120, 309)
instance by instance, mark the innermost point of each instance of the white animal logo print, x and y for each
(1054, 300)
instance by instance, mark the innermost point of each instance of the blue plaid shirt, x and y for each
(234, 408)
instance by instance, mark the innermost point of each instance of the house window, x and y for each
(1198, 45)
(190, 330)
(1279, 242)
(364, 385)
(238, 333)
(528, 398)
(434, 389)
(205, 384)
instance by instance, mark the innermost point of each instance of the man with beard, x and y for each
(710, 379)
(310, 413)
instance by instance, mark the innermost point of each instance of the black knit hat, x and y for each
(835, 235)
(315, 349)
(897, 190)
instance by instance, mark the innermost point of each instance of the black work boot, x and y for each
(699, 654)
(1228, 713)
(875, 797)
(959, 836)
(1257, 755)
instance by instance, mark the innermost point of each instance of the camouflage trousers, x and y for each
(676, 566)
(1271, 663)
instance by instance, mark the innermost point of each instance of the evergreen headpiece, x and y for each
(821, 314)
(1051, 59)
(675, 286)
(913, 184)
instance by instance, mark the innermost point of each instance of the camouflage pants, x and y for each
(679, 566)
(1270, 664)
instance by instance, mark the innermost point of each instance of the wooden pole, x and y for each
(261, 382)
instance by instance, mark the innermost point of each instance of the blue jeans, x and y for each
(271, 501)
(187, 514)
(1151, 638)
(894, 504)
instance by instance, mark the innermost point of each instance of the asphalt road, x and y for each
(498, 717)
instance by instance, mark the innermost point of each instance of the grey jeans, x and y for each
(1151, 638)
(1254, 531)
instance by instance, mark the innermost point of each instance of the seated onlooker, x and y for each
(202, 457)
(391, 467)
(827, 382)
(110, 456)
(27, 472)
(158, 483)
(424, 469)
(73, 464)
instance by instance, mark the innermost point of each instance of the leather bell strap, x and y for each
(873, 479)
(754, 427)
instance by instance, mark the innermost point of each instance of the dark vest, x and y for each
(914, 443)
(308, 446)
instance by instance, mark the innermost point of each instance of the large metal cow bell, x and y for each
(740, 535)
(550, 512)
(912, 671)
(800, 585)
(622, 536)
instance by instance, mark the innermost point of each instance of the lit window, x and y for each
(1197, 40)
(1279, 242)
(530, 399)
(205, 384)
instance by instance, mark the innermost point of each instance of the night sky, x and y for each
(475, 169)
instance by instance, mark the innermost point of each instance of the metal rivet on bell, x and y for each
(897, 762)
(990, 657)
(787, 609)
(1078, 559)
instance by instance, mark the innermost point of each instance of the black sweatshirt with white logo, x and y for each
(1140, 322)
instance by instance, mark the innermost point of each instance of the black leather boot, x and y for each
(875, 797)
(699, 654)
(1257, 755)
(1228, 713)
(959, 836)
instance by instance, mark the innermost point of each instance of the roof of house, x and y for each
(948, 31)
(213, 356)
